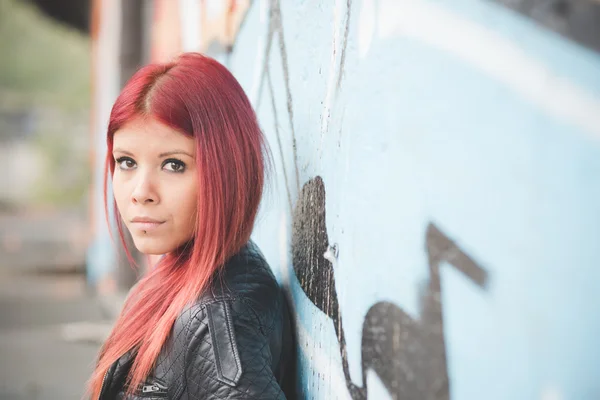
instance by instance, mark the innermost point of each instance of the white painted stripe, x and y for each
(339, 10)
(189, 12)
(366, 27)
(494, 55)
(551, 392)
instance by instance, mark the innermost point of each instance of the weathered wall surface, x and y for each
(435, 208)
(436, 203)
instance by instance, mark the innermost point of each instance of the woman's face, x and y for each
(155, 184)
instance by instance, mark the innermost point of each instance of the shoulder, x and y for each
(229, 340)
(245, 279)
(246, 282)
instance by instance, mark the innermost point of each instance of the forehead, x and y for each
(149, 134)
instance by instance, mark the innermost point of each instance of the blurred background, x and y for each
(453, 149)
(45, 143)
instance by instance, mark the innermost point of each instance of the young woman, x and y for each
(188, 160)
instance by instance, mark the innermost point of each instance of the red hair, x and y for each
(198, 97)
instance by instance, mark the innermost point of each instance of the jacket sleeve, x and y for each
(229, 356)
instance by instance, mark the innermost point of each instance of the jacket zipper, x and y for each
(155, 389)
(103, 383)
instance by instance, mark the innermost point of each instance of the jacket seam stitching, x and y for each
(215, 348)
(261, 327)
(236, 356)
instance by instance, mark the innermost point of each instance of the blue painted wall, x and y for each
(456, 148)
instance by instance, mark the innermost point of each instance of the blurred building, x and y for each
(44, 139)
(17, 128)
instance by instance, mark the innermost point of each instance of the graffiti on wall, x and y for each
(406, 350)
(275, 35)
(407, 354)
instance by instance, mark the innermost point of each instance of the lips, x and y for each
(146, 223)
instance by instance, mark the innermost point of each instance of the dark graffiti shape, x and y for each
(408, 354)
(578, 20)
(313, 270)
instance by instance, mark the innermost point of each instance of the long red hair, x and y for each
(198, 97)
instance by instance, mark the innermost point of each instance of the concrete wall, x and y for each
(434, 212)
(435, 207)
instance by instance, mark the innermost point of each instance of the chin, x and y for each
(151, 247)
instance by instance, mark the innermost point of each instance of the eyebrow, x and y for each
(161, 155)
(172, 152)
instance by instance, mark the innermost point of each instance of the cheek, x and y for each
(119, 191)
(187, 211)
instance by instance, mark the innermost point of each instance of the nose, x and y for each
(144, 191)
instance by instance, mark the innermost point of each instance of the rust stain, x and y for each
(221, 22)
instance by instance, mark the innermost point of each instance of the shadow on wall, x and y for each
(408, 354)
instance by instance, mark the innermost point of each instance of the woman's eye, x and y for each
(125, 163)
(173, 165)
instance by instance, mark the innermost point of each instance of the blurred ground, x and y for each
(50, 325)
(43, 240)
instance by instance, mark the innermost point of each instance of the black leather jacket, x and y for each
(235, 342)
